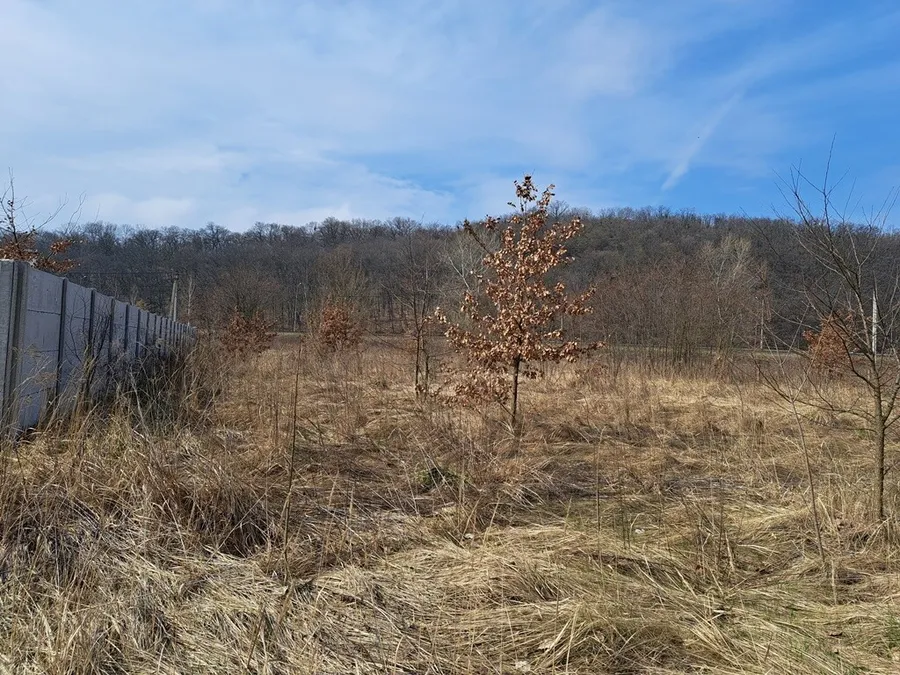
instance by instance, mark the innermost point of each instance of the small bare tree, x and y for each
(415, 286)
(511, 323)
(855, 302)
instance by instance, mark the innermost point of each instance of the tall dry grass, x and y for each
(302, 513)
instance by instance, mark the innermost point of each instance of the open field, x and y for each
(643, 525)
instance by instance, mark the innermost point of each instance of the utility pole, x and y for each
(874, 324)
(762, 324)
(174, 302)
(190, 296)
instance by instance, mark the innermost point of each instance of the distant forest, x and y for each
(674, 280)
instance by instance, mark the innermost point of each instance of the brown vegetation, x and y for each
(511, 324)
(337, 331)
(288, 515)
(828, 348)
(310, 510)
(246, 335)
(19, 240)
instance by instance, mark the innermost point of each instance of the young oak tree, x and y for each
(19, 237)
(512, 324)
(829, 352)
(245, 335)
(338, 329)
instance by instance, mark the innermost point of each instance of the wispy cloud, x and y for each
(706, 131)
(178, 112)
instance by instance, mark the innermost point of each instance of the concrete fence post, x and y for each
(128, 311)
(60, 355)
(110, 359)
(89, 350)
(137, 333)
(10, 294)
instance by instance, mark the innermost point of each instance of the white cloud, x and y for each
(180, 112)
(152, 211)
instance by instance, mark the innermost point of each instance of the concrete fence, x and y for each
(59, 341)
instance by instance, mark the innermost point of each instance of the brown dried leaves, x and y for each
(509, 324)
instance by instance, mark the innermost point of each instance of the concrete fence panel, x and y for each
(59, 341)
(101, 335)
(141, 346)
(148, 335)
(169, 340)
(151, 334)
(131, 332)
(36, 350)
(9, 294)
(77, 358)
(139, 326)
(117, 335)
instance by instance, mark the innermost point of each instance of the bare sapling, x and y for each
(855, 300)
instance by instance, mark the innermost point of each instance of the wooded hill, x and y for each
(677, 280)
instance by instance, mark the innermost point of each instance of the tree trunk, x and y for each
(879, 457)
(517, 363)
(418, 361)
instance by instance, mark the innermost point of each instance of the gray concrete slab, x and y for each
(37, 353)
(76, 362)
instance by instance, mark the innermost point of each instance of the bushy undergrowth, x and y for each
(294, 513)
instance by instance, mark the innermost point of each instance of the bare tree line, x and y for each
(678, 282)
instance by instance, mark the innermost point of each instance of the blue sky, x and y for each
(180, 112)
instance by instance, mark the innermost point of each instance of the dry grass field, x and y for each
(642, 524)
